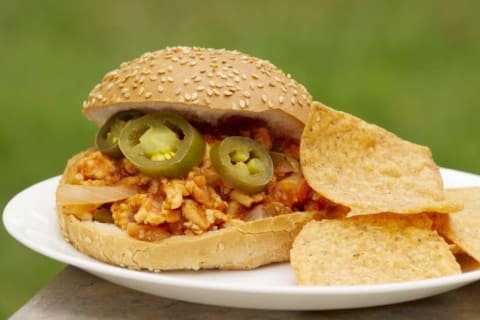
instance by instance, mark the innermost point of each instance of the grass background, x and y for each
(410, 66)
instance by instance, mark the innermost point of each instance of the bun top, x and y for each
(203, 84)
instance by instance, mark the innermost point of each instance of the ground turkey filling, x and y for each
(201, 201)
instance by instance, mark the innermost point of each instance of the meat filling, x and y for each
(199, 202)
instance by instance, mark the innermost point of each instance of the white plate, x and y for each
(30, 218)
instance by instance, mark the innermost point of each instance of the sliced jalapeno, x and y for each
(243, 163)
(285, 162)
(108, 135)
(162, 144)
(103, 215)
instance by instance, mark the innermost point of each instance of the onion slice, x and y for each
(68, 194)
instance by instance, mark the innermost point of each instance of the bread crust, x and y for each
(203, 84)
(246, 246)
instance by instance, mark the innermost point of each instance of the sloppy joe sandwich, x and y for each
(195, 164)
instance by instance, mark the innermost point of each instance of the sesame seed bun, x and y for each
(203, 84)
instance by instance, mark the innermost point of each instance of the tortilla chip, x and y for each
(370, 249)
(368, 169)
(463, 228)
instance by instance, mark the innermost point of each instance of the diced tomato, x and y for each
(291, 190)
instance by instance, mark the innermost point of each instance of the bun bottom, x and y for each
(246, 246)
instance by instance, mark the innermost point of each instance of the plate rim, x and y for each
(94, 266)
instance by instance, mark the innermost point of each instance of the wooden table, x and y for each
(75, 294)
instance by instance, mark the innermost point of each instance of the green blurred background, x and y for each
(410, 66)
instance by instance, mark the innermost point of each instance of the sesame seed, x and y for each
(197, 78)
(216, 92)
(252, 86)
(295, 92)
(264, 98)
(175, 59)
(148, 95)
(209, 92)
(153, 77)
(283, 89)
(160, 89)
(211, 83)
(200, 88)
(187, 96)
(246, 94)
(271, 84)
(293, 100)
(177, 92)
(186, 81)
(237, 79)
(163, 79)
(243, 76)
(254, 76)
(219, 85)
(210, 74)
(260, 85)
(194, 96)
(184, 61)
(170, 68)
(280, 99)
(227, 93)
(170, 79)
(229, 84)
(193, 63)
(242, 104)
(140, 91)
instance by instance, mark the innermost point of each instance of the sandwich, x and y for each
(195, 164)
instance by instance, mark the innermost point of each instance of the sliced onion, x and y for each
(80, 194)
(258, 212)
